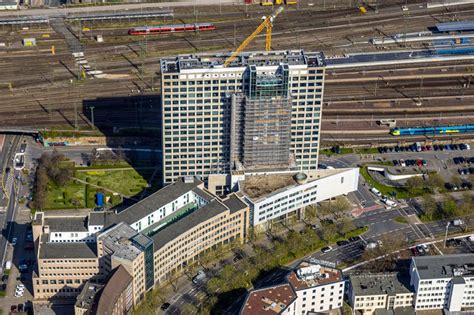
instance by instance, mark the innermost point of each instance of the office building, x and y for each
(443, 282)
(261, 111)
(312, 287)
(371, 293)
(275, 195)
(62, 268)
(114, 297)
(151, 240)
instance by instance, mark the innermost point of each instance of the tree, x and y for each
(339, 206)
(430, 206)
(435, 181)
(310, 214)
(328, 232)
(345, 225)
(415, 182)
(449, 207)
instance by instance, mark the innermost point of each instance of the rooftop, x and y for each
(117, 239)
(379, 284)
(259, 58)
(115, 285)
(69, 224)
(203, 214)
(66, 250)
(309, 275)
(270, 300)
(263, 185)
(157, 200)
(447, 266)
(87, 296)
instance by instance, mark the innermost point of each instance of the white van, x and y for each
(376, 192)
(389, 202)
(8, 265)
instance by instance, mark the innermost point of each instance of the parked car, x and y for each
(342, 243)
(354, 238)
(14, 240)
(402, 163)
(326, 249)
(165, 306)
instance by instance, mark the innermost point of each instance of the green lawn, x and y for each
(126, 182)
(401, 192)
(80, 195)
(401, 220)
(61, 197)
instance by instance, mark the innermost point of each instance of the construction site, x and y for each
(87, 73)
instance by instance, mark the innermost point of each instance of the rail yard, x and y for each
(40, 89)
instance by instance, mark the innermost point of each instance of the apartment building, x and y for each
(275, 195)
(312, 287)
(217, 119)
(151, 240)
(443, 282)
(369, 293)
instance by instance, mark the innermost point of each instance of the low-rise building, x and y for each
(443, 282)
(275, 195)
(310, 288)
(86, 300)
(386, 291)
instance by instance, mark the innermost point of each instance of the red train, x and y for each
(147, 30)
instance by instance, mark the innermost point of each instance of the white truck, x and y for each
(376, 192)
(457, 222)
(389, 203)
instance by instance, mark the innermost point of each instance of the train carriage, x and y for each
(432, 130)
(179, 28)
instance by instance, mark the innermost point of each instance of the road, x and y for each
(7, 218)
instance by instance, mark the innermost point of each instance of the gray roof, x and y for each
(67, 250)
(204, 194)
(378, 284)
(66, 224)
(446, 266)
(155, 201)
(174, 230)
(117, 240)
(234, 203)
(96, 218)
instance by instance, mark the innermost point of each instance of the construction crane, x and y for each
(268, 24)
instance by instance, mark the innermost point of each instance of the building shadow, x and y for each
(131, 126)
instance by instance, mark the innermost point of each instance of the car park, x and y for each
(326, 249)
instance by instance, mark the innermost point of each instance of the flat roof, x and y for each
(69, 224)
(269, 300)
(174, 230)
(259, 186)
(118, 239)
(67, 250)
(156, 200)
(380, 284)
(258, 58)
(325, 276)
(446, 266)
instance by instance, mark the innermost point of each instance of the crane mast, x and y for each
(268, 24)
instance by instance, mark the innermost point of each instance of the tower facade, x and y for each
(262, 111)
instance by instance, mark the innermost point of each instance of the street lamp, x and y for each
(92, 115)
(446, 234)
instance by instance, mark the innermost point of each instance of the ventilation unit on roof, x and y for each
(188, 179)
